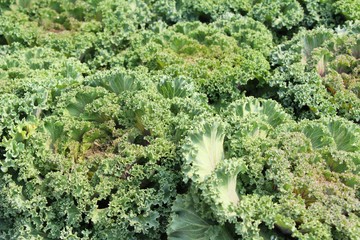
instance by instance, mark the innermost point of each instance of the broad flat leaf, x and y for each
(204, 150)
(318, 134)
(187, 224)
(115, 81)
(268, 110)
(346, 135)
(177, 87)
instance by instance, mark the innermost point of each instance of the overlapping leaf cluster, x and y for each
(271, 177)
(178, 119)
(317, 72)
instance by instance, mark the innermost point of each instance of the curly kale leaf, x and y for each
(317, 73)
(203, 53)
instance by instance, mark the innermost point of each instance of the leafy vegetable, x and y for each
(317, 73)
(187, 224)
(179, 119)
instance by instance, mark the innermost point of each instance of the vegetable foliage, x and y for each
(178, 119)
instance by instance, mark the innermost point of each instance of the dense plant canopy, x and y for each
(179, 119)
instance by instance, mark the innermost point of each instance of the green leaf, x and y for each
(204, 150)
(187, 224)
(346, 135)
(116, 81)
(318, 134)
(177, 87)
(269, 111)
